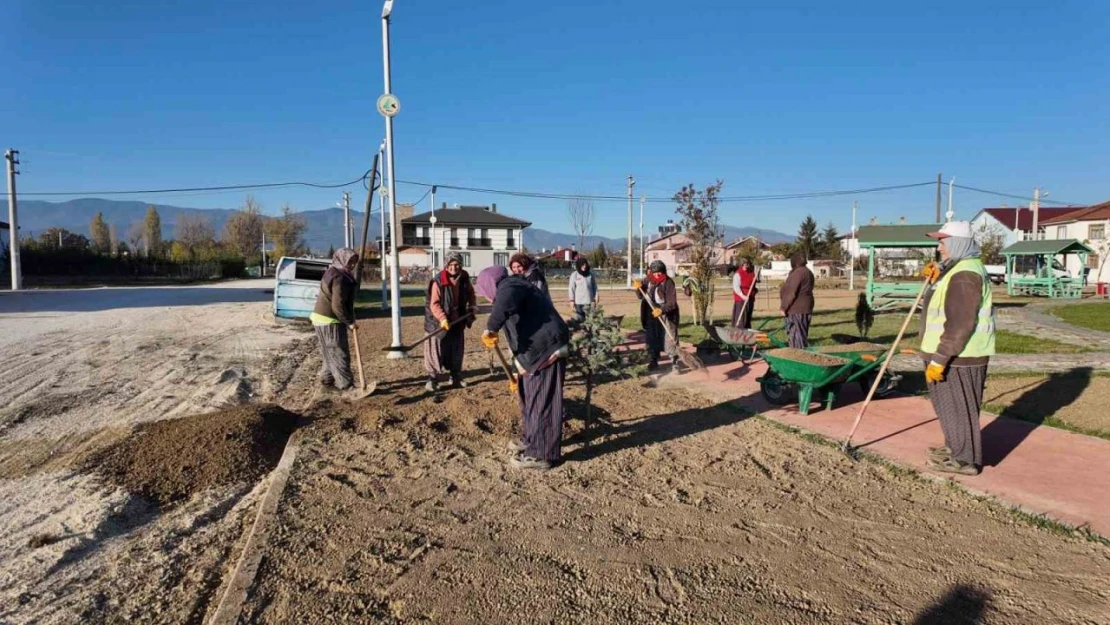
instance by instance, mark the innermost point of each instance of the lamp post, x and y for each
(853, 246)
(951, 213)
(389, 106)
(381, 217)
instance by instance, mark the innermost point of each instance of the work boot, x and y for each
(431, 386)
(520, 461)
(515, 445)
(326, 380)
(653, 365)
(952, 466)
(940, 453)
(458, 382)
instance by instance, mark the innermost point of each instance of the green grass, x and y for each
(1090, 316)
(1051, 421)
(370, 300)
(1006, 342)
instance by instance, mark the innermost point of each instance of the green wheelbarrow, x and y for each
(797, 375)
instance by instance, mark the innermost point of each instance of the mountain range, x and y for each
(325, 226)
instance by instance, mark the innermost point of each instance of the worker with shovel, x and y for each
(333, 314)
(660, 290)
(539, 340)
(450, 297)
(957, 342)
(743, 295)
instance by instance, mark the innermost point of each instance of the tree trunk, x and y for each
(589, 409)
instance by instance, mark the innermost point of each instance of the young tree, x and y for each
(243, 230)
(700, 223)
(152, 232)
(830, 243)
(807, 241)
(287, 233)
(599, 257)
(98, 231)
(593, 350)
(195, 234)
(991, 241)
(581, 213)
(749, 250)
(782, 250)
(331, 251)
(135, 236)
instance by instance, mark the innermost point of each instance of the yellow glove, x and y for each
(638, 285)
(657, 312)
(934, 373)
(513, 386)
(445, 325)
(490, 339)
(931, 271)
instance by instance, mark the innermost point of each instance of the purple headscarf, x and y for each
(342, 258)
(487, 281)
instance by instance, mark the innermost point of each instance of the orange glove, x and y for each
(934, 373)
(445, 325)
(657, 312)
(931, 271)
(490, 340)
(638, 285)
(513, 386)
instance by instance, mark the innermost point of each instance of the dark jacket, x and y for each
(668, 293)
(535, 276)
(454, 305)
(336, 298)
(534, 327)
(961, 317)
(796, 294)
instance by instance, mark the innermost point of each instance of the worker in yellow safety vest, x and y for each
(957, 341)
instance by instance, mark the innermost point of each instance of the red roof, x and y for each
(1097, 212)
(1024, 216)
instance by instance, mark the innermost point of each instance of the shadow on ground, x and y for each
(961, 605)
(1034, 406)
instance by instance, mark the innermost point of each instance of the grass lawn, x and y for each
(1075, 400)
(1091, 316)
(369, 301)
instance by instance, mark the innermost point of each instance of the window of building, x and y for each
(1061, 232)
(1092, 261)
(1096, 231)
(501, 259)
(465, 259)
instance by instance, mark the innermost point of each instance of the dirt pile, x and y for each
(852, 347)
(169, 461)
(809, 358)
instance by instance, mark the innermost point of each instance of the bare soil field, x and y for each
(400, 508)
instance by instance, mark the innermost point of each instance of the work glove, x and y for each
(445, 325)
(934, 373)
(638, 285)
(657, 312)
(513, 386)
(931, 271)
(490, 339)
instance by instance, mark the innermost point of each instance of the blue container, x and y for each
(296, 286)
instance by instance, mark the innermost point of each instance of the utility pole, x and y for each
(951, 213)
(348, 235)
(262, 272)
(1035, 206)
(389, 106)
(938, 197)
(12, 156)
(642, 200)
(432, 238)
(853, 248)
(628, 278)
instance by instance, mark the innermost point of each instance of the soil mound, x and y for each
(809, 358)
(853, 347)
(169, 461)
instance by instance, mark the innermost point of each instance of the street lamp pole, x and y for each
(395, 228)
(628, 278)
(642, 200)
(381, 218)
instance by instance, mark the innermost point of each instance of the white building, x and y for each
(850, 244)
(1089, 225)
(1015, 224)
(480, 234)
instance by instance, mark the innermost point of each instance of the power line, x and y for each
(240, 187)
(1015, 197)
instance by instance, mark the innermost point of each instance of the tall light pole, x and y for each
(388, 106)
(642, 200)
(628, 278)
(348, 235)
(432, 238)
(951, 213)
(853, 248)
(382, 191)
(12, 157)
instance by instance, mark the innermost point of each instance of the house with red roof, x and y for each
(1090, 225)
(1015, 223)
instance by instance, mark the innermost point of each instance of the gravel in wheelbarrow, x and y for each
(852, 347)
(802, 356)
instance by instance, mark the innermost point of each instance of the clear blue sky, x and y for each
(566, 97)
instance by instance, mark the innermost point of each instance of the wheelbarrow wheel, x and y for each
(888, 385)
(776, 390)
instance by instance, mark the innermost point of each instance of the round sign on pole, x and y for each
(388, 105)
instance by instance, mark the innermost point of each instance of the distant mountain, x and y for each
(325, 227)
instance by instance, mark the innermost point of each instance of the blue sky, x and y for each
(566, 97)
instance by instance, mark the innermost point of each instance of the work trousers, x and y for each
(580, 311)
(335, 351)
(658, 340)
(541, 406)
(957, 401)
(444, 353)
(742, 314)
(797, 330)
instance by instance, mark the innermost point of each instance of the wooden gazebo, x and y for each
(908, 237)
(1032, 269)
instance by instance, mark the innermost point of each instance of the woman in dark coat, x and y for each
(796, 300)
(539, 341)
(661, 290)
(333, 314)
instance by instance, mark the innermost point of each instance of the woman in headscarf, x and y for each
(957, 341)
(743, 295)
(582, 288)
(660, 290)
(796, 301)
(333, 314)
(539, 341)
(524, 265)
(450, 297)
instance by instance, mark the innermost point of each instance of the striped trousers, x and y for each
(335, 351)
(957, 401)
(797, 330)
(541, 405)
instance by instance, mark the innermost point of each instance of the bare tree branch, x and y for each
(581, 213)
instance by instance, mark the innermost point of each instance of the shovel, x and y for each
(363, 390)
(505, 365)
(409, 348)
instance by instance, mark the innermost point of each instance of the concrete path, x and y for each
(1035, 320)
(1042, 470)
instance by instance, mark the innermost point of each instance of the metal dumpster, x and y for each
(296, 284)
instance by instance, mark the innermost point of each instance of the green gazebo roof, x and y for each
(899, 235)
(1054, 246)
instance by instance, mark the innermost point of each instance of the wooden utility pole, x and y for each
(938, 197)
(12, 156)
(1035, 206)
(628, 277)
